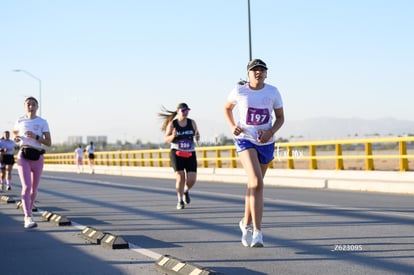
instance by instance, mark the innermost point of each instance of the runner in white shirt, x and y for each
(79, 152)
(7, 159)
(260, 117)
(32, 133)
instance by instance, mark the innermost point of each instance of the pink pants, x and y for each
(29, 173)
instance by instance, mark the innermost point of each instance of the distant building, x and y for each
(99, 141)
(75, 140)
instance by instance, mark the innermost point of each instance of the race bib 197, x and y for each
(257, 116)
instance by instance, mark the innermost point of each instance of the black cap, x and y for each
(256, 63)
(183, 106)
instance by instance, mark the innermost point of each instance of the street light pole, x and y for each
(40, 87)
(242, 82)
(250, 32)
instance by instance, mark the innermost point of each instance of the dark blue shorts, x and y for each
(264, 152)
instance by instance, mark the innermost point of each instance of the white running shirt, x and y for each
(37, 125)
(256, 109)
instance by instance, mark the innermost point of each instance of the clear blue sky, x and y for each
(108, 66)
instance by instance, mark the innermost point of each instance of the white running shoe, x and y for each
(257, 239)
(246, 230)
(29, 222)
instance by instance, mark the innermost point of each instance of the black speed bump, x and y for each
(46, 215)
(171, 265)
(114, 242)
(92, 235)
(19, 205)
(59, 220)
(7, 199)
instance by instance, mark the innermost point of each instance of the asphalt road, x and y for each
(305, 231)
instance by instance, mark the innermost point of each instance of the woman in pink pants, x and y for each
(31, 132)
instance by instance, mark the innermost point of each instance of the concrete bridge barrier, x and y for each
(369, 181)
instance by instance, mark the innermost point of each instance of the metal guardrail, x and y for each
(289, 155)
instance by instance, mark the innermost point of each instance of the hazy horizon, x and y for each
(322, 128)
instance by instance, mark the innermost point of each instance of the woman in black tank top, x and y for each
(181, 133)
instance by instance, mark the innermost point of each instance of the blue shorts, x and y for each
(264, 152)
